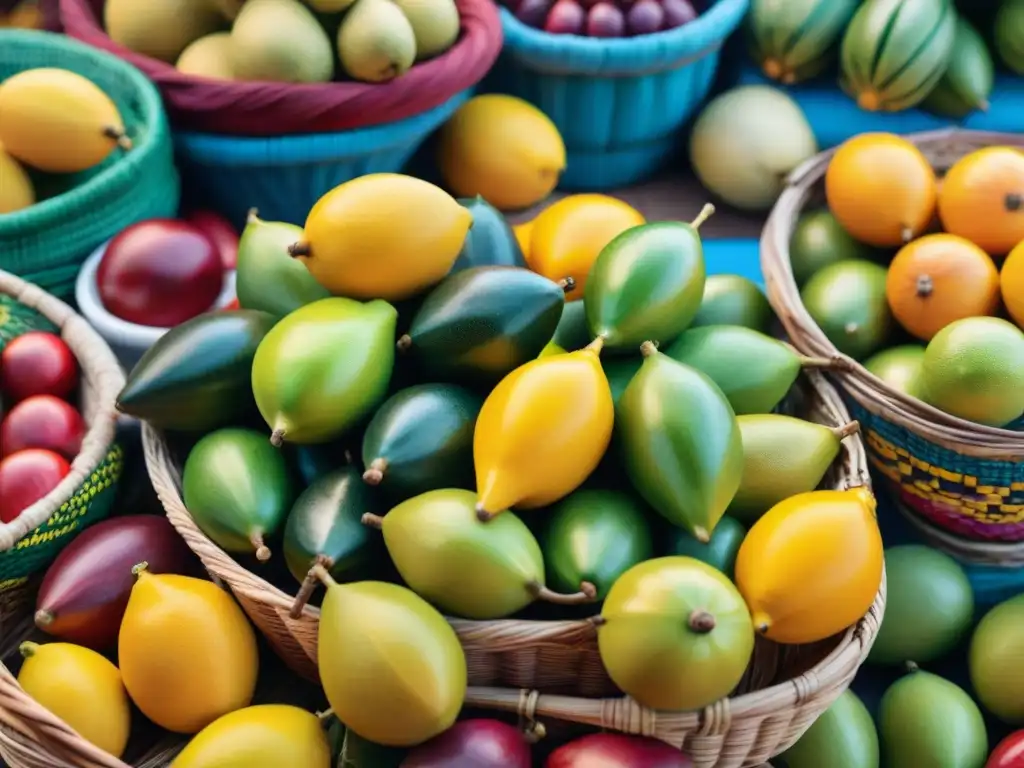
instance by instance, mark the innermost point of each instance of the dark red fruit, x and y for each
(221, 234)
(473, 744)
(26, 477)
(533, 12)
(567, 17)
(37, 363)
(613, 750)
(160, 272)
(85, 591)
(645, 17)
(678, 12)
(605, 20)
(42, 421)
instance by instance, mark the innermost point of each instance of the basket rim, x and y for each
(148, 137)
(837, 669)
(98, 364)
(868, 390)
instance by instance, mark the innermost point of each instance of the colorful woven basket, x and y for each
(47, 243)
(960, 477)
(619, 104)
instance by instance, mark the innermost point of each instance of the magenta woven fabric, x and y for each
(277, 109)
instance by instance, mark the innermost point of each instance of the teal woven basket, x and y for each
(47, 243)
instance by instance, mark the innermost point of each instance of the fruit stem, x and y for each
(277, 438)
(925, 286)
(595, 346)
(598, 621)
(566, 284)
(648, 348)
(251, 217)
(1013, 201)
(327, 714)
(906, 234)
(374, 473)
(404, 342)
(761, 623)
(320, 574)
(139, 568)
(534, 732)
(43, 618)
(701, 621)
(371, 520)
(911, 666)
(28, 649)
(482, 514)
(700, 533)
(852, 428)
(298, 249)
(704, 215)
(587, 594)
(262, 550)
(817, 362)
(308, 586)
(119, 136)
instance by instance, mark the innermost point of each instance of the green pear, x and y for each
(280, 41)
(843, 737)
(376, 42)
(435, 24)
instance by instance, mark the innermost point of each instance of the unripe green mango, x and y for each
(720, 552)
(997, 647)
(843, 737)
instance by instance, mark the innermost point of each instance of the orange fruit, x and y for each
(1011, 281)
(881, 189)
(523, 232)
(940, 278)
(982, 199)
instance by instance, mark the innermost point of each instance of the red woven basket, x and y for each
(280, 109)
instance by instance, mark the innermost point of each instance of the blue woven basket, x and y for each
(284, 176)
(47, 242)
(619, 104)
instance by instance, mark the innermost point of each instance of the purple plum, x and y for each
(678, 12)
(533, 12)
(645, 17)
(566, 18)
(605, 20)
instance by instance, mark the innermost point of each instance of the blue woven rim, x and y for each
(315, 147)
(592, 56)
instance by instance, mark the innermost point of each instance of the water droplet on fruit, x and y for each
(605, 20)
(645, 17)
(566, 18)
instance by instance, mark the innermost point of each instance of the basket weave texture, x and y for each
(544, 669)
(960, 483)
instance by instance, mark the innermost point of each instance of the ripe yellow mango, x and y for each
(16, 190)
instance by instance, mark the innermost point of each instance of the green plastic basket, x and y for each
(47, 243)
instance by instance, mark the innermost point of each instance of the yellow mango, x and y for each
(187, 652)
(542, 431)
(812, 565)
(267, 734)
(16, 190)
(523, 233)
(80, 687)
(382, 236)
(58, 121)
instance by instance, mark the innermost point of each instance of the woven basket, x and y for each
(34, 538)
(790, 686)
(962, 478)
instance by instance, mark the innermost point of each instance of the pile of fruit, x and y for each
(53, 123)
(603, 18)
(287, 41)
(911, 273)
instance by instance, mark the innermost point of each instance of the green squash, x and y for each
(843, 737)
(967, 82)
(490, 241)
(720, 552)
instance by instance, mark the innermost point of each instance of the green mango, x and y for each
(490, 241)
(483, 322)
(572, 332)
(818, 241)
(474, 569)
(619, 372)
(197, 376)
(996, 649)
(421, 439)
(674, 633)
(680, 442)
(594, 536)
(899, 367)
(925, 720)
(754, 371)
(967, 83)
(646, 284)
(843, 737)
(238, 489)
(267, 277)
(323, 368)
(782, 456)
(847, 301)
(733, 300)
(720, 552)
(929, 606)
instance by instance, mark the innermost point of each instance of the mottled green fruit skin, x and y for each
(733, 300)
(843, 737)
(326, 522)
(324, 367)
(424, 437)
(782, 456)
(594, 536)
(925, 720)
(236, 485)
(463, 566)
(818, 241)
(490, 241)
(719, 553)
(481, 323)
(197, 376)
(267, 277)
(847, 301)
(754, 371)
(929, 606)
(899, 367)
(646, 285)
(619, 372)
(572, 332)
(680, 443)
(997, 647)
(967, 82)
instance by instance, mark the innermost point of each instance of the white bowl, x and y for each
(128, 340)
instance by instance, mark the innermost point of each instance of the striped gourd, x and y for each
(967, 82)
(794, 40)
(895, 51)
(1009, 35)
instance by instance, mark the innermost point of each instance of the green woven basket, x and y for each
(47, 243)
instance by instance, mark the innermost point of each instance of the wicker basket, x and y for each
(34, 538)
(790, 686)
(949, 476)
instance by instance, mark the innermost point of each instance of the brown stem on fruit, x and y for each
(701, 621)
(299, 249)
(818, 362)
(587, 594)
(596, 346)
(761, 623)
(43, 618)
(1013, 202)
(648, 348)
(704, 215)
(252, 216)
(911, 666)
(277, 438)
(374, 473)
(28, 649)
(139, 568)
(566, 284)
(700, 533)
(906, 233)
(846, 430)
(119, 136)
(371, 520)
(262, 550)
(404, 342)
(925, 286)
(320, 574)
(534, 732)
(309, 585)
(598, 621)
(482, 514)
(772, 68)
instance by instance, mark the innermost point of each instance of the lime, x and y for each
(819, 240)
(733, 300)
(899, 367)
(847, 301)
